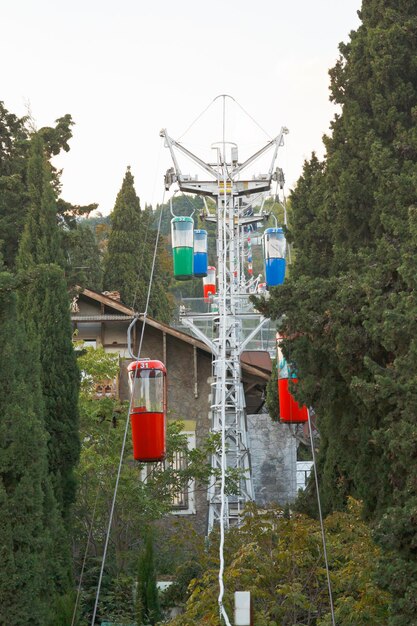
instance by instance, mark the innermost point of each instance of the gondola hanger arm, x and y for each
(171, 144)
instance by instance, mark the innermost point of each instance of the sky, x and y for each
(124, 70)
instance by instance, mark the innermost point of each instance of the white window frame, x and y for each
(191, 509)
(304, 469)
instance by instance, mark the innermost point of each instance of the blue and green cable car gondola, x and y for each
(274, 244)
(182, 231)
(200, 253)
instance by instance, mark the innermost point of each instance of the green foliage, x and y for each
(56, 138)
(96, 365)
(44, 302)
(279, 560)
(62, 610)
(147, 601)
(41, 241)
(272, 400)
(34, 557)
(84, 258)
(15, 148)
(349, 304)
(140, 501)
(13, 196)
(130, 251)
(44, 309)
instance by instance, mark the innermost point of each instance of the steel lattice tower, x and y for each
(226, 186)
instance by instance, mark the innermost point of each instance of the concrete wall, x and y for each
(273, 457)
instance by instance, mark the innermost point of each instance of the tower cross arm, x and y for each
(171, 144)
(277, 141)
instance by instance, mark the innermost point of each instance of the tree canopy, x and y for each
(348, 307)
(278, 558)
(42, 306)
(130, 253)
(35, 562)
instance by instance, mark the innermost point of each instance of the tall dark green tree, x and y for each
(147, 601)
(84, 259)
(44, 308)
(34, 567)
(128, 264)
(14, 154)
(350, 302)
(14, 146)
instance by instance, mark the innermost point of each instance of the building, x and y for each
(100, 319)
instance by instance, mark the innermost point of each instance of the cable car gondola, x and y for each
(200, 253)
(290, 412)
(182, 232)
(274, 245)
(209, 282)
(147, 379)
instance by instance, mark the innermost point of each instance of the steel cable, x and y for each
(103, 562)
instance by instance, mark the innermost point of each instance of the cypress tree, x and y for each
(45, 311)
(13, 197)
(147, 601)
(41, 240)
(84, 258)
(130, 254)
(34, 565)
(350, 311)
(126, 246)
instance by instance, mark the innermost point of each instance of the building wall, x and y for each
(188, 396)
(110, 334)
(273, 449)
(274, 460)
(188, 386)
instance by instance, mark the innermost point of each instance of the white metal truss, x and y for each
(228, 188)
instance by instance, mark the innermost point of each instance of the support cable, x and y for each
(224, 96)
(103, 562)
(291, 522)
(253, 119)
(90, 534)
(146, 231)
(323, 535)
(196, 119)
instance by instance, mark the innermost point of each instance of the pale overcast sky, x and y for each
(126, 69)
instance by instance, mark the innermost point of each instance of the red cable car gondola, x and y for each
(209, 283)
(290, 412)
(147, 379)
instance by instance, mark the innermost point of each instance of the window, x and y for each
(89, 343)
(183, 501)
(82, 344)
(180, 499)
(303, 472)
